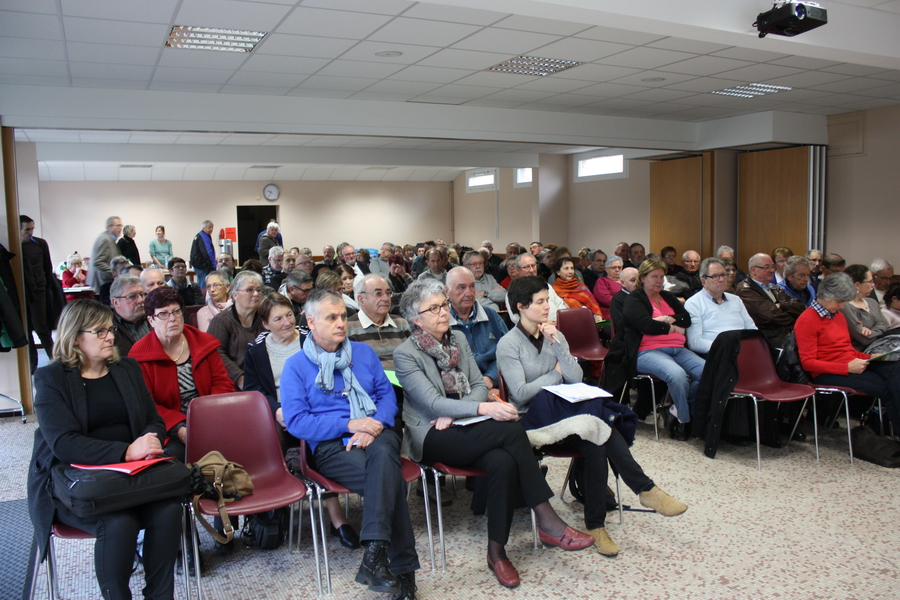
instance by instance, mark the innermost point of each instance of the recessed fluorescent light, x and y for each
(752, 90)
(389, 53)
(654, 79)
(265, 167)
(135, 166)
(533, 65)
(209, 38)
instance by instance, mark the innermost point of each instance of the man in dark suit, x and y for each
(773, 311)
(43, 292)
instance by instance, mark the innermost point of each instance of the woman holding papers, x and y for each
(442, 383)
(94, 409)
(535, 354)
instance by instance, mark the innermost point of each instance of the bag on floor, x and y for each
(93, 493)
(266, 530)
(229, 482)
(871, 447)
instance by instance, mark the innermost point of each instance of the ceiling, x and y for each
(643, 83)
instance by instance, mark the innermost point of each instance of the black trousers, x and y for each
(502, 451)
(596, 473)
(117, 541)
(880, 379)
(37, 322)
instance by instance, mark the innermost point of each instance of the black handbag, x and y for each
(94, 493)
(874, 448)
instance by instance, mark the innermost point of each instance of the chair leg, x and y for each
(185, 571)
(534, 533)
(847, 414)
(424, 481)
(655, 416)
(52, 581)
(195, 541)
(313, 532)
(816, 430)
(619, 500)
(440, 516)
(562, 492)
(321, 506)
(797, 423)
(756, 420)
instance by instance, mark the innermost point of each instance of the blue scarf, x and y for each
(361, 404)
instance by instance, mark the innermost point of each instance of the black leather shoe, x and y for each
(348, 536)
(374, 571)
(799, 437)
(679, 431)
(407, 587)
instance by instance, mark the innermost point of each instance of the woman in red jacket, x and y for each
(179, 363)
(823, 342)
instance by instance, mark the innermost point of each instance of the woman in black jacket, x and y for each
(655, 324)
(94, 409)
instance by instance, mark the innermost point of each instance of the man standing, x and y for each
(335, 395)
(882, 273)
(127, 297)
(796, 280)
(267, 241)
(278, 239)
(773, 311)
(103, 251)
(44, 299)
(203, 252)
(372, 325)
(379, 265)
(488, 292)
(481, 325)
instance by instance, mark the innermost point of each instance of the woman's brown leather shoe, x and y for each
(505, 571)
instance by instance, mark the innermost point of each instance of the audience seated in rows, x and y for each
(127, 297)
(217, 298)
(609, 285)
(190, 292)
(239, 324)
(865, 322)
(796, 281)
(488, 292)
(373, 325)
(712, 310)
(773, 311)
(573, 292)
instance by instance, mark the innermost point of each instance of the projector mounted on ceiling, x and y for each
(791, 18)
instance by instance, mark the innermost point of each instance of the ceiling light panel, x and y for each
(533, 65)
(210, 38)
(752, 90)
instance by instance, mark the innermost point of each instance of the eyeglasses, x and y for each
(215, 286)
(718, 277)
(252, 291)
(102, 332)
(132, 297)
(475, 264)
(437, 308)
(764, 267)
(377, 293)
(178, 266)
(164, 315)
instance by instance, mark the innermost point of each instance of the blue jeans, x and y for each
(201, 277)
(680, 369)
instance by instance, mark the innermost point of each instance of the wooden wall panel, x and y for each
(676, 204)
(773, 199)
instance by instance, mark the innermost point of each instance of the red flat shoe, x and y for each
(505, 571)
(571, 539)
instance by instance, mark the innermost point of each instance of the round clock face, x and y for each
(271, 192)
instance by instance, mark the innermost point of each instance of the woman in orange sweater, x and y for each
(823, 341)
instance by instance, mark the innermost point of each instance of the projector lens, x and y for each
(800, 11)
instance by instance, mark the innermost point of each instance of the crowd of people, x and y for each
(456, 324)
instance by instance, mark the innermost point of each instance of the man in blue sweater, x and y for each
(335, 395)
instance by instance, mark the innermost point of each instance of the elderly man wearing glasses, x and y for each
(127, 300)
(713, 310)
(336, 396)
(773, 311)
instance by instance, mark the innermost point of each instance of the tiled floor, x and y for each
(796, 530)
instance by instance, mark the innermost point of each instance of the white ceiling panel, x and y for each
(101, 172)
(750, 54)
(429, 74)
(804, 62)
(303, 45)
(120, 53)
(857, 70)
(230, 14)
(505, 41)
(464, 59)
(317, 174)
(807, 79)
(455, 90)
(496, 79)
(201, 59)
(78, 29)
(174, 86)
(267, 63)
(660, 95)
(12, 47)
(255, 90)
(331, 23)
(454, 14)
(158, 11)
(27, 66)
(358, 68)
(410, 54)
(180, 75)
(595, 72)
(423, 32)
(47, 7)
(758, 73)
(619, 36)
(552, 84)
(320, 82)
(401, 87)
(580, 50)
(646, 58)
(199, 173)
(642, 78)
(381, 7)
(520, 95)
(683, 45)
(549, 26)
(167, 173)
(35, 26)
(705, 65)
(111, 71)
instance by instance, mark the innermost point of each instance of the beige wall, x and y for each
(311, 213)
(863, 188)
(475, 214)
(604, 213)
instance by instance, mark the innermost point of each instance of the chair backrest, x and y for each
(577, 324)
(755, 365)
(241, 426)
(501, 387)
(190, 313)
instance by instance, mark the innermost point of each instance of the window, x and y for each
(481, 180)
(524, 177)
(594, 168)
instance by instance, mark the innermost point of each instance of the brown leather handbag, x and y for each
(229, 482)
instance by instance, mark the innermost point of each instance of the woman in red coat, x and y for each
(179, 363)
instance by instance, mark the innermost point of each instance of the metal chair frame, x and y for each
(845, 393)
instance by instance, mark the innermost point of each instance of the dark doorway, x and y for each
(251, 220)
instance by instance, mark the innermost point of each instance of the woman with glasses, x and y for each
(609, 286)
(94, 409)
(238, 325)
(217, 299)
(179, 363)
(865, 320)
(441, 384)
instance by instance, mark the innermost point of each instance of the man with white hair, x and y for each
(373, 325)
(347, 255)
(127, 298)
(690, 260)
(493, 261)
(269, 240)
(379, 264)
(882, 273)
(152, 278)
(488, 292)
(526, 266)
(773, 311)
(273, 272)
(628, 278)
(728, 252)
(102, 252)
(203, 252)
(336, 396)
(796, 280)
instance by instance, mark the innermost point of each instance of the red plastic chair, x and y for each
(241, 426)
(321, 484)
(577, 324)
(190, 313)
(758, 380)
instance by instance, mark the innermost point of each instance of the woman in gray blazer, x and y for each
(442, 384)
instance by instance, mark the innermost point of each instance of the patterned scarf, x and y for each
(575, 294)
(446, 355)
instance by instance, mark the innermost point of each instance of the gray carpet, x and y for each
(16, 535)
